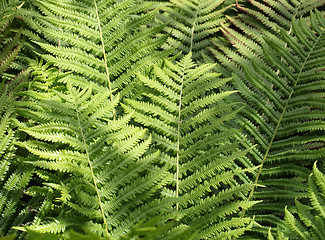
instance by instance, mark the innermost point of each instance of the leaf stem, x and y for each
(104, 54)
(192, 31)
(92, 174)
(179, 122)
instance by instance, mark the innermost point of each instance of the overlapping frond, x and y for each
(186, 117)
(191, 24)
(10, 46)
(14, 175)
(282, 82)
(98, 169)
(307, 220)
(99, 41)
(155, 228)
(167, 163)
(247, 31)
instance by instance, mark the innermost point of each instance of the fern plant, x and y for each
(165, 162)
(192, 24)
(97, 170)
(147, 230)
(247, 31)
(14, 175)
(309, 219)
(15, 207)
(100, 41)
(10, 45)
(99, 175)
(186, 119)
(282, 83)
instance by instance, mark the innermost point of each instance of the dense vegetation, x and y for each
(135, 119)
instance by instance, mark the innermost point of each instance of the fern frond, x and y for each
(191, 24)
(97, 167)
(10, 46)
(308, 220)
(14, 176)
(256, 21)
(16, 207)
(285, 116)
(201, 153)
(101, 42)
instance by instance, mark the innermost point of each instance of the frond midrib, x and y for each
(92, 172)
(104, 54)
(281, 117)
(179, 123)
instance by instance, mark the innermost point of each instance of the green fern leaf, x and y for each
(285, 116)
(309, 219)
(200, 151)
(16, 207)
(191, 24)
(99, 41)
(99, 168)
(256, 21)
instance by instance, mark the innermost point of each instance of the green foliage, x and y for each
(282, 83)
(15, 207)
(102, 42)
(14, 176)
(97, 168)
(309, 219)
(256, 21)
(110, 139)
(191, 24)
(187, 118)
(10, 44)
(99, 174)
(149, 230)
